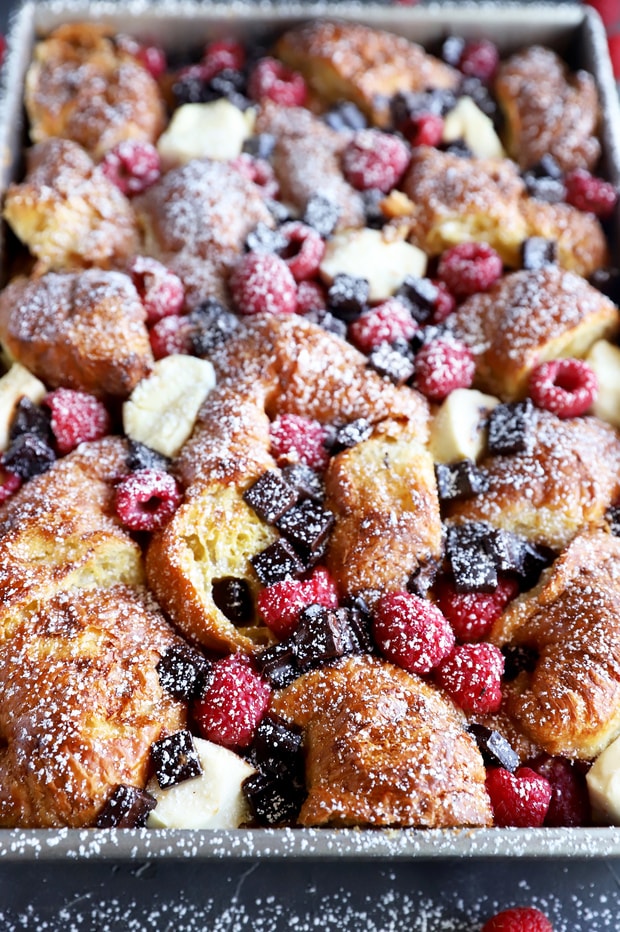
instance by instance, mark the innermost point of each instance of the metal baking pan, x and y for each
(303, 878)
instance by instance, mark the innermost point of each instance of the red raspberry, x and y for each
(567, 387)
(570, 801)
(520, 799)
(280, 604)
(170, 335)
(444, 302)
(518, 919)
(479, 59)
(310, 297)
(298, 439)
(259, 171)
(472, 676)
(304, 249)
(153, 58)
(411, 632)
(441, 366)
(76, 417)
(589, 193)
(233, 704)
(385, 323)
(469, 268)
(221, 54)
(10, 482)
(375, 160)
(425, 129)
(262, 283)
(161, 291)
(147, 499)
(273, 80)
(472, 614)
(132, 166)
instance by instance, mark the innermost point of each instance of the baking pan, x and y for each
(272, 879)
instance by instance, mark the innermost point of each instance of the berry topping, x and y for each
(444, 302)
(147, 499)
(411, 632)
(76, 417)
(589, 193)
(385, 323)
(567, 387)
(298, 439)
(153, 58)
(472, 675)
(520, 799)
(303, 249)
(175, 759)
(273, 80)
(258, 171)
(479, 59)
(472, 614)
(441, 366)
(132, 166)
(262, 283)
(310, 297)
(570, 801)
(424, 129)
(171, 335)
(375, 160)
(9, 484)
(220, 55)
(270, 496)
(233, 704)
(469, 268)
(160, 290)
(519, 919)
(127, 807)
(279, 605)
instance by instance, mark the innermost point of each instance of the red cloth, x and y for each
(609, 11)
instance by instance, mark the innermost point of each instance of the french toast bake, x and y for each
(310, 476)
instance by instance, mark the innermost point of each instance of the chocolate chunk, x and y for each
(233, 597)
(406, 105)
(183, 671)
(469, 551)
(307, 526)
(321, 214)
(473, 87)
(452, 49)
(327, 321)
(457, 147)
(270, 496)
(139, 456)
(509, 428)
(612, 516)
(28, 455)
(211, 325)
(191, 88)
(349, 435)
(265, 239)
(425, 335)
(422, 578)
(375, 218)
(321, 635)
(547, 167)
(230, 84)
(495, 750)
(537, 252)
(272, 800)
(348, 296)
(360, 624)
(278, 210)
(29, 418)
(260, 146)
(345, 116)
(175, 759)
(550, 190)
(127, 807)
(518, 658)
(305, 480)
(389, 362)
(278, 664)
(461, 480)
(509, 551)
(607, 281)
(276, 563)
(420, 296)
(277, 746)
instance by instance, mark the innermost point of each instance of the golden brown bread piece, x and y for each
(68, 213)
(84, 87)
(84, 330)
(548, 110)
(580, 238)
(383, 747)
(527, 318)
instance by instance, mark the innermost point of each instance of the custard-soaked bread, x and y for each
(570, 703)
(383, 747)
(82, 86)
(548, 110)
(80, 705)
(84, 330)
(564, 482)
(527, 318)
(349, 61)
(579, 236)
(68, 213)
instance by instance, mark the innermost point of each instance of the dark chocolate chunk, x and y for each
(550, 190)
(183, 671)
(349, 435)
(452, 49)
(375, 218)
(425, 335)
(495, 750)
(473, 565)
(233, 597)
(509, 428)
(231, 84)
(392, 364)
(473, 87)
(327, 321)
(423, 577)
(272, 800)
(28, 455)
(307, 526)
(607, 281)
(277, 746)
(344, 115)
(537, 252)
(265, 239)
(536, 559)
(321, 214)
(276, 563)
(406, 105)
(175, 759)
(457, 147)
(321, 635)
(348, 296)
(270, 496)
(460, 480)
(212, 325)
(612, 516)
(518, 658)
(126, 807)
(305, 480)
(420, 295)
(547, 167)
(191, 88)
(278, 664)
(360, 623)
(260, 146)
(29, 418)
(509, 551)
(277, 209)
(139, 456)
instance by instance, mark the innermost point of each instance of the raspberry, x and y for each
(220, 55)
(161, 291)
(479, 60)
(472, 614)
(273, 80)
(469, 268)
(570, 801)
(385, 323)
(280, 604)
(304, 249)
(262, 283)
(76, 417)
(298, 439)
(375, 160)
(567, 387)
(146, 499)
(424, 129)
(153, 58)
(472, 675)
(233, 704)
(171, 335)
(411, 632)
(589, 193)
(444, 302)
(310, 297)
(132, 166)
(441, 366)
(10, 482)
(259, 171)
(520, 799)
(518, 919)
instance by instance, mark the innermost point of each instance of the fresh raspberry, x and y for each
(259, 171)
(76, 417)
(469, 268)
(146, 499)
(298, 439)
(518, 919)
(161, 291)
(472, 614)
(304, 249)
(570, 801)
(132, 166)
(10, 482)
(589, 193)
(222, 54)
(233, 704)
(375, 160)
(262, 283)
(310, 297)
(479, 59)
(441, 366)
(273, 80)
(385, 323)
(567, 387)
(444, 302)
(153, 58)
(424, 129)
(520, 799)
(280, 604)
(472, 676)
(411, 632)
(171, 335)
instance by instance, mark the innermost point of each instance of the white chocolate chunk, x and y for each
(604, 359)
(18, 383)
(467, 121)
(603, 780)
(458, 430)
(215, 130)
